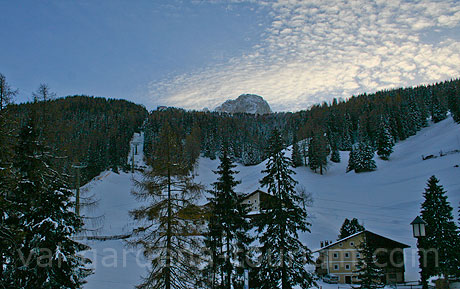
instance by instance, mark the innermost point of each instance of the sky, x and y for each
(196, 53)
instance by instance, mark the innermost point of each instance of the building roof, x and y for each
(396, 243)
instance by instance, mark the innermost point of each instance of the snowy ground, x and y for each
(386, 200)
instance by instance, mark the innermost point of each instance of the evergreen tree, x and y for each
(8, 232)
(45, 256)
(361, 158)
(283, 256)
(352, 159)
(318, 151)
(369, 273)
(170, 230)
(228, 225)
(453, 101)
(385, 141)
(350, 227)
(441, 233)
(335, 156)
(296, 155)
(438, 109)
(6, 92)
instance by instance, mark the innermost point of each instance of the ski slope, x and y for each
(386, 200)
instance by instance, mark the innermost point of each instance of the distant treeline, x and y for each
(82, 129)
(337, 125)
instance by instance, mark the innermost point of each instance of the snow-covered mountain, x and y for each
(386, 200)
(248, 103)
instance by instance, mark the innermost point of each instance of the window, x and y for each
(347, 267)
(255, 201)
(336, 255)
(249, 202)
(358, 255)
(336, 267)
(341, 244)
(352, 244)
(347, 255)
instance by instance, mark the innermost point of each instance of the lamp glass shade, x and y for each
(416, 228)
(422, 230)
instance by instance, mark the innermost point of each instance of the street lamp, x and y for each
(418, 230)
(418, 227)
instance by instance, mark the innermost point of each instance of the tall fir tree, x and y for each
(441, 232)
(438, 108)
(369, 273)
(283, 256)
(228, 226)
(8, 231)
(385, 141)
(318, 151)
(170, 221)
(350, 227)
(296, 154)
(45, 255)
(361, 158)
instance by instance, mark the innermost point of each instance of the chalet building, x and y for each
(341, 258)
(257, 201)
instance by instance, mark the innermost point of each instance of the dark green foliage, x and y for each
(42, 233)
(438, 107)
(283, 256)
(350, 227)
(453, 100)
(369, 273)
(345, 122)
(441, 232)
(361, 158)
(335, 156)
(228, 226)
(169, 232)
(318, 151)
(90, 130)
(296, 155)
(385, 141)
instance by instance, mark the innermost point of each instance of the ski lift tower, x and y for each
(78, 167)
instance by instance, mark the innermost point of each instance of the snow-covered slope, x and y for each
(386, 200)
(248, 103)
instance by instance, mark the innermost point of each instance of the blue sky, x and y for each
(197, 54)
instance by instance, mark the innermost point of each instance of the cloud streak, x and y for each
(313, 51)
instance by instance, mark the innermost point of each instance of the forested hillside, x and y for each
(81, 129)
(392, 114)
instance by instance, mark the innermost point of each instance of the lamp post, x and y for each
(418, 230)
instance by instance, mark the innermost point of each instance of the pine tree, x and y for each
(438, 109)
(453, 101)
(45, 256)
(335, 156)
(441, 231)
(6, 92)
(228, 225)
(8, 232)
(385, 141)
(361, 158)
(171, 222)
(318, 151)
(369, 273)
(296, 155)
(352, 159)
(349, 228)
(283, 256)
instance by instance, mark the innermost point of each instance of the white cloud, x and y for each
(316, 50)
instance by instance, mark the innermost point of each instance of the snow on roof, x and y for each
(356, 234)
